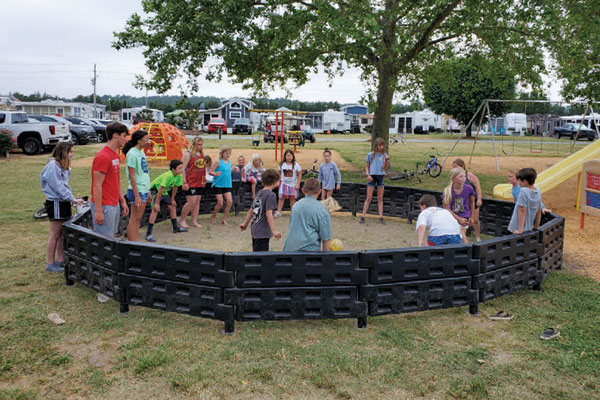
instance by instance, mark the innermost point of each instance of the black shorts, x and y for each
(165, 199)
(195, 191)
(260, 244)
(58, 210)
(221, 190)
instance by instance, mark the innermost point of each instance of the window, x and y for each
(235, 114)
(364, 121)
(235, 105)
(2, 118)
(392, 122)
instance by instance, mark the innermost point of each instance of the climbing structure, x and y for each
(166, 141)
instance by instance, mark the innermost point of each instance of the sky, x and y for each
(52, 46)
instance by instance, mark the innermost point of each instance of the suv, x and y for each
(215, 123)
(99, 129)
(80, 134)
(570, 130)
(242, 125)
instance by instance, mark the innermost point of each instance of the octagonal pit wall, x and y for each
(315, 285)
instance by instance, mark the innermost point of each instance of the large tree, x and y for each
(459, 85)
(268, 43)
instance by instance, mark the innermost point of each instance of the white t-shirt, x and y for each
(289, 174)
(439, 221)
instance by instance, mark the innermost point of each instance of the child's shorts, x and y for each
(221, 190)
(377, 181)
(287, 192)
(443, 239)
(165, 199)
(131, 196)
(194, 191)
(58, 210)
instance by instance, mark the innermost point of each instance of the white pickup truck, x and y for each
(32, 138)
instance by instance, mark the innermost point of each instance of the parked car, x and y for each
(215, 123)
(32, 138)
(570, 130)
(80, 134)
(269, 137)
(99, 128)
(242, 125)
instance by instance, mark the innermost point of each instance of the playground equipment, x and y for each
(588, 192)
(166, 141)
(279, 131)
(556, 174)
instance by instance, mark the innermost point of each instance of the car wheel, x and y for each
(31, 146)
(75, 139)
(313, 139)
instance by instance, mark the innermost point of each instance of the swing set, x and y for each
(280, 129)
(509, 148)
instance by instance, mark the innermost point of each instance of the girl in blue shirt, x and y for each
(377, 163)
(221, 170)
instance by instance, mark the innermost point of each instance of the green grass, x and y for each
(443, 354)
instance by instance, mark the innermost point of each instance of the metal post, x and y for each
(476, 135)
(493, 141)
(220, 132)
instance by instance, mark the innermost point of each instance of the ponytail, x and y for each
(135, 138)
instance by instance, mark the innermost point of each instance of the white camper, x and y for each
(336, 121)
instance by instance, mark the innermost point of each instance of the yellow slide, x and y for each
(556, 174)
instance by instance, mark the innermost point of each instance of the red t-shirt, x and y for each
(109, 163)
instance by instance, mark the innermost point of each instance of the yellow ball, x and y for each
(336, 245)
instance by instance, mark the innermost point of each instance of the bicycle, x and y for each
(432, 167)
(313, 172)
(397, 138)
(394, 175)
(41, 213)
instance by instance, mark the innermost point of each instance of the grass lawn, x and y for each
(152, 354)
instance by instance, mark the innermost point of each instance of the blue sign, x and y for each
(592, 200)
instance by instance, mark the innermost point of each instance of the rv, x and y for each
(128, 115)
(336, 121)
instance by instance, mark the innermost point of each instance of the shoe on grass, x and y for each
(382, 221)
(180, 229)
(549, 333)
(277, 214)
(150, 238)
(362, 220)
(500, 316)
(54, 268)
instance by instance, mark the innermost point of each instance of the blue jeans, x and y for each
(112, 217)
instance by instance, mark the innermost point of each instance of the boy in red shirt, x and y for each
(106, 182)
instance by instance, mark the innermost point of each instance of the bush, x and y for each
(6, 141)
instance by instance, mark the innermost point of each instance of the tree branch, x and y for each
(422, 42)
(442, 39)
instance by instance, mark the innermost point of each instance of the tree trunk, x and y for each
(468, 130)
(383, 109)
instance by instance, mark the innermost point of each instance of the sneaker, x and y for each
(150, 238)
(54, 268)
(362, 220)
(549, 333)
(382, 221)
(276, 214)
(180, 229)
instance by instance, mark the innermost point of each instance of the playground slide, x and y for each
(556, 174)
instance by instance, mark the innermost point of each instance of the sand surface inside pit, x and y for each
(304, 157)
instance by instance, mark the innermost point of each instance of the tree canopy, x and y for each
(267, 43)
(458, 86)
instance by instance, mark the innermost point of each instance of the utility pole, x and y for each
(146, 98)
(94, 83)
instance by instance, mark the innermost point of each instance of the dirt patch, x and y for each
(97, 355)
(487, 165)
(304, 157)
(372, 235)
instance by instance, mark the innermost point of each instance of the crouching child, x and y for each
(443, 227)
(160, 187)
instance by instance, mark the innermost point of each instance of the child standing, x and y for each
(59, 197)
(138, 178)
(471, 179)
(459, 198)
(377, 163)
(528, 211)
(261, 213)
(160, 187)
(193, 181)
(511, 176)
(253, 172)
(237, 174)
(291, 175)
(443, 228)
(329, 174)
(221, 170)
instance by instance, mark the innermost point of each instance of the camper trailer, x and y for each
(415, 122)
(336, 121)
